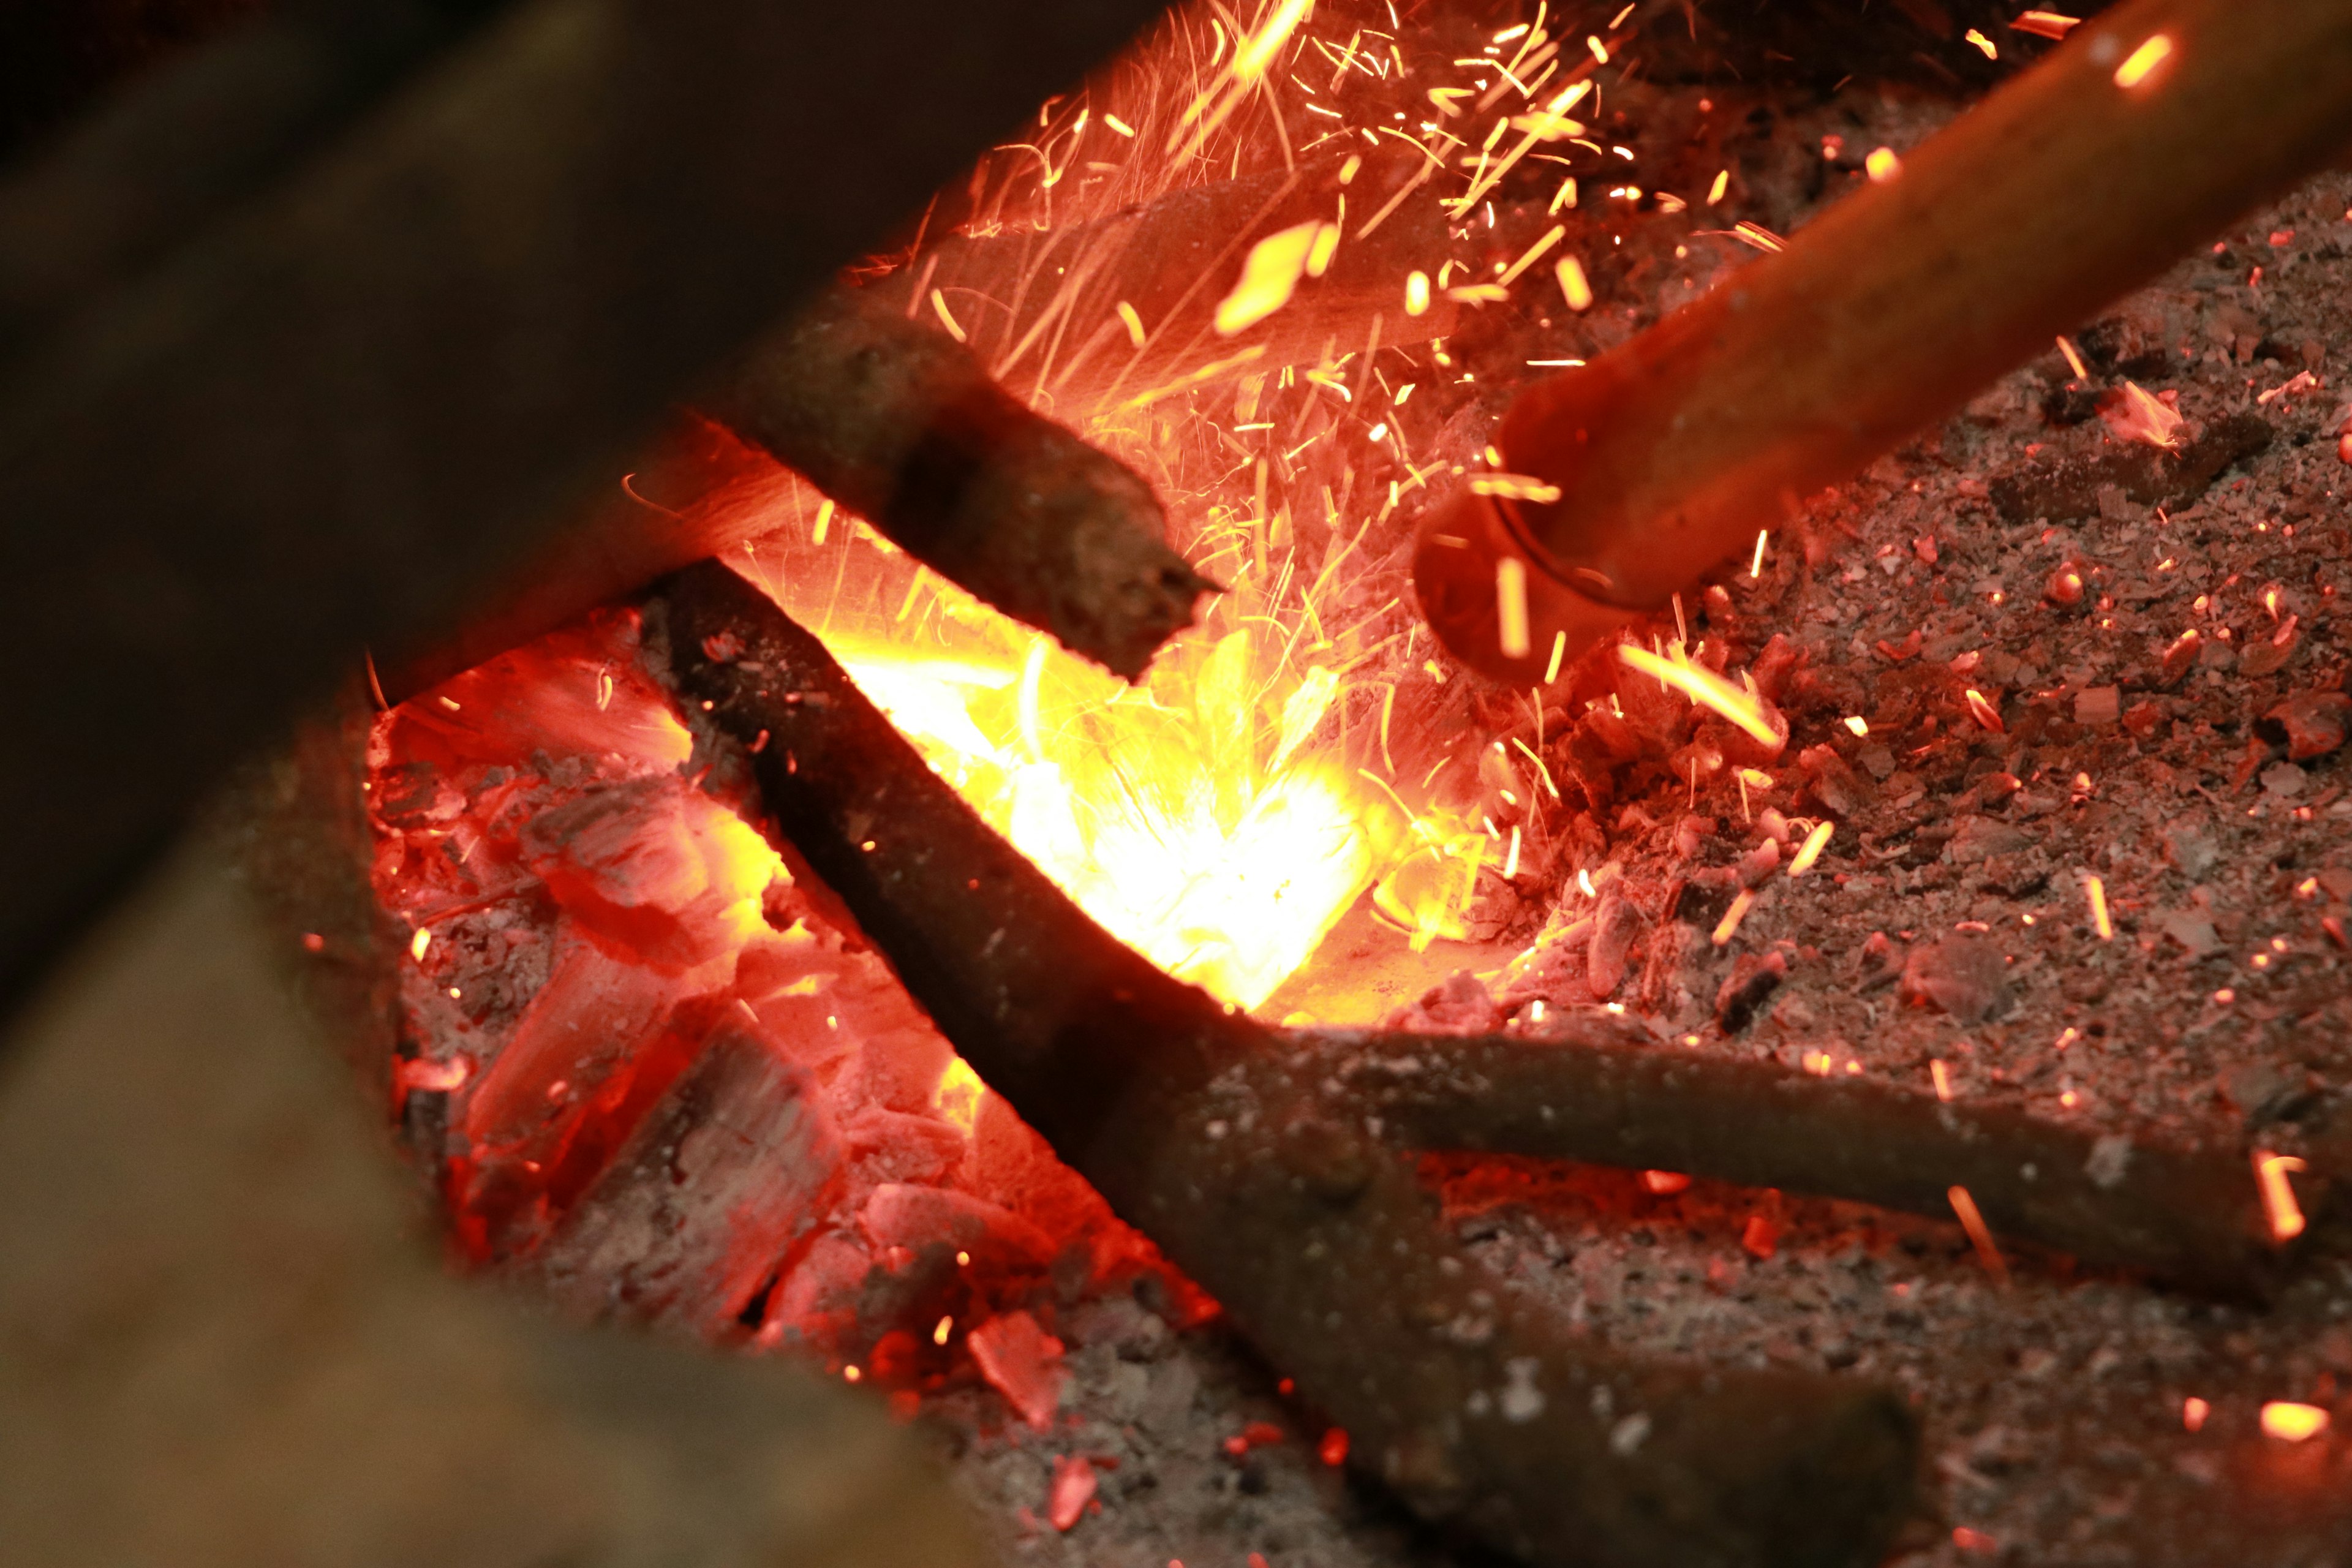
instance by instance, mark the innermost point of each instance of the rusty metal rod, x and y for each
(2150, 129)
(1601, 1090)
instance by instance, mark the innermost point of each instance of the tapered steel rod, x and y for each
(2155, 126)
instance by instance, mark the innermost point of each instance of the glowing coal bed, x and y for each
(1994, 722)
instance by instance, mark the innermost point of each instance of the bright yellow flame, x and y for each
(1416, 294)
(1705, 688)
(2291, 1423)
(2278, 1194)
(1883, 164)
(2142, 61)
(1269, 277)
(1183, 817)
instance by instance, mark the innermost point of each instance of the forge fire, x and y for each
(1870, 1018)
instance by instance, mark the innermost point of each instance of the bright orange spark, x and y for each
(1515, 487)
(1985, 45)
(1254, 56)
(2098, 889)
(2278, 1194)
(1883, 164)
(1416, 294)
(2142, 61)
(1728, 927)
(2292, 1422)
(1810, 850)
(1269, 277)
(1573, 286)
(2193, 1412)
(1511, 607)
(1703, 687)
(1979, 1236)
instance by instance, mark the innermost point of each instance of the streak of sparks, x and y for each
(1979, 1236)
(1722, 183)
(1810, 850)
(2097, 891)
(1511, 606)
(2073, 359)
(1251, 60)
(2143, 61)
(2278, 1194)
(1533, 254)
(1515, 487)
(1943, 1080)
(946, 317)
(1703, 687)
(1728, 927)
(1573, 286)
(1756, 566)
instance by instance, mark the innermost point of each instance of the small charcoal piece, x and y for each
(713, 1185)
(1601, 1090)
(1477, 1407)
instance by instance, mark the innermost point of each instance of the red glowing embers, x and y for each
(657, 1079)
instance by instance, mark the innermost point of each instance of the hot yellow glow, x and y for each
(958, 1093)
(1185, 816)
(2291, 1423)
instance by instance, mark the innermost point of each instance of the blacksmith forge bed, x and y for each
(1077, 849)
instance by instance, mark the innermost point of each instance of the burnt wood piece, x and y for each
(900, 423)
(2068, 490)
(1601, 1091)
(1478, 1408)
(364, 392)
(687, 1219)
